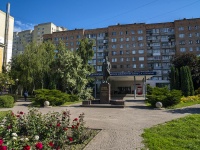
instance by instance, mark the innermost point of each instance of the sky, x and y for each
(90, 14)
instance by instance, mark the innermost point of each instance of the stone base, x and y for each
(47, 106)
(105, 93)
(86, 102)
(117, 102)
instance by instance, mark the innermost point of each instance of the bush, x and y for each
(190, 99)
(164, 95)
(197, 91)
(37, 131)
(6, 101)
(55, 97)
(149, 90)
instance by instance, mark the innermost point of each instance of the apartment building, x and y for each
(21, 39)
(6, 37)
(138, 47)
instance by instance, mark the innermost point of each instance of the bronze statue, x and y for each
(106, 66)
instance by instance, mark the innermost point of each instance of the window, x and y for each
(128, 66)
(191, 49)
(120, 33)
(127, 46)
(127, 39)
(114, 66)
(121, 52)
(140, 31)
(126, 32)
(121, 39)
(141, 51)
(114, 59)
(182, 49)
(121, 66)
(181, 35)
(113, 46)
(132, 32)
(127, 59)
(140, 38)
(114, 40)
(133, 59)
(72, 49)
(196, 27)
(134, 45)
(181, 42)
(141, 65)
(197, 41)
(140, 44)
(197, 34)
(71, 43)
(78, 43)
(121, 46)
(133, 38)
(190, 42)
(141, 58)
(181, 28)
(121, 59)
(197, 48)
(113, 33)
(94, 48)
(78, 36)
(133, 51)
(127, 52)
(190, 35)
(134, 65)
(189, 27)
(114, 53)
(71, 37)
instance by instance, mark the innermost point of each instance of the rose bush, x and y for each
(36, 131)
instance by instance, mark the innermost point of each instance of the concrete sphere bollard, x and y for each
(159, 105)
(46, 103)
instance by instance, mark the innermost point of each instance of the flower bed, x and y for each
(51, 131)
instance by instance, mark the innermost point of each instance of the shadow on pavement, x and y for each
(190, 110)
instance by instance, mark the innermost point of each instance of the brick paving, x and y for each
(121, 127)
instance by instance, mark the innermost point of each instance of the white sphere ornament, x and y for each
(159, 104)
(46, 103)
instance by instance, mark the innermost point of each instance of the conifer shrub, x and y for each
(6, 101)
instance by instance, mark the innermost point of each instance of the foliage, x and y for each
(193, 62)
(6, 101)
(191, 87)
(3, 114)
(185, 84)
(197, 91)
(181, 134)
(177, 79)
(172, 78)
(49, 131)
(190, 99)
(149, 89)
(5, 81)
(55, 97)
(164, 95)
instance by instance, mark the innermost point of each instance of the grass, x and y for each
(70, 103)
(179, 134)
(3, 114)
(182, 104)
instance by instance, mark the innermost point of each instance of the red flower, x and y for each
(58, 125)
(27, 147)
(65, 129)
(58, 148)
(12, 114)
(72, 127)
(21, 112)
(64, 113)
(51, 144)
(18, 115)
(39, 145)
(3, 147)
(75, 119)
(9, 127)
(1, 142)
(70, 139)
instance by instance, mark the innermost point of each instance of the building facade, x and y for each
(21, 39)
(6, 37)
(138, 47)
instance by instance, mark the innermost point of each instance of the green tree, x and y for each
(193, 62)
(190, 80)
(177, 79)
(172, 79)
(185, 87)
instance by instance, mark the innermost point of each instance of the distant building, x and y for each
(21, 39)
(137, 47)
(6, 37)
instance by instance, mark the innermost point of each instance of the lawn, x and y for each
(179, 134)
(182, 104)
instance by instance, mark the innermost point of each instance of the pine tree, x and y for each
(190, 81)
(177, 79)
(172, 78)
(185, 87)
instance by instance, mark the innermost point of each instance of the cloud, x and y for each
(19, 26)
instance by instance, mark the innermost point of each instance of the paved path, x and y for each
(121, 127)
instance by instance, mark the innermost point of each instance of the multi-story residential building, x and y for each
(21, 39)
(6, 37)
(138, 47)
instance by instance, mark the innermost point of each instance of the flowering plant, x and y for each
(34, 130)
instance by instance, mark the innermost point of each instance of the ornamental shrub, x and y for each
(35, 130)
(6, 101)
(164, 95)
(55, 97)
(190, 99)
(197, 91)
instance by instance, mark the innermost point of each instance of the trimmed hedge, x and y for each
(55, 97)
(6, 101)
(164, 95)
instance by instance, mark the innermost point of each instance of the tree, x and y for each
(191, 87)
(193, 62)
(185, 87)
(177, 79)
(172, 79)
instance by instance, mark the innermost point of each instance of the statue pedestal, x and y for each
(105, 93)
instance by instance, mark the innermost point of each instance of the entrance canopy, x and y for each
(126, 76)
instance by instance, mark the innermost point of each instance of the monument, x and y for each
(105, 86)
